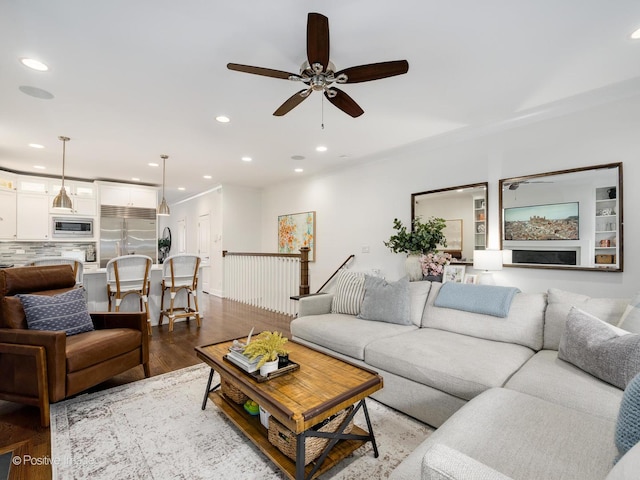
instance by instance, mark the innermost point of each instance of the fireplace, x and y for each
(546, 257)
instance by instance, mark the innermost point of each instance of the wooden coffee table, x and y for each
(321, 387)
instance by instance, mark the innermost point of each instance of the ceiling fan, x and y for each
(319, 74)
(516, 185)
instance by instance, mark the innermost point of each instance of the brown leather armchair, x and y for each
(38, 367)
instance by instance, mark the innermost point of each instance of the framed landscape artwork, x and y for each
(297, 230)
(556, 221)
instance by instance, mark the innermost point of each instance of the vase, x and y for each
(433, 278)
(413, 267)
(269, 367)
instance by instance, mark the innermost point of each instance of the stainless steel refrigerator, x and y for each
(127, 231)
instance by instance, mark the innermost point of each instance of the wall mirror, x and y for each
(464, 208)
(569, 219)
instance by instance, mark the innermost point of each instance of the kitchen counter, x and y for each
(95, 283)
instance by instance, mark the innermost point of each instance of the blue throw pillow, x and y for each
(66, 311)
(628, 426)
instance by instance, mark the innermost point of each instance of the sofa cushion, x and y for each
(523, 325)
(546, 376)
(349, 293)
(523, 437)
(559, 304)
(418, 293)
(344, 334)
(605, 351)
(457, 364)
(64, 311)
(630, 320)
(627, 467)
(386, 301)
(487, 299)
(92, 348)
(628, 424)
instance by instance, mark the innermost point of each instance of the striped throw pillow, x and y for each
(349, 293)
(66, 311)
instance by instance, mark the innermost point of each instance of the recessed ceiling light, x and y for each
(299, 170)
(40, 167)
(181, 188)
(34, 64)
(36, 145)
(297, 157)
(246, 159)
(321, 148)
(135, 179)
(636, 35)
(208, 177)
(223, 119)
(152, 164)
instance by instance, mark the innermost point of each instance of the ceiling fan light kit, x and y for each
(319, 74)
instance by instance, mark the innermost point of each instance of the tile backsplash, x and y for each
(33, 250)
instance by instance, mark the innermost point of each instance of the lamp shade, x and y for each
(488, 260)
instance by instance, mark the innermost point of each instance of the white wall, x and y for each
(356, 205)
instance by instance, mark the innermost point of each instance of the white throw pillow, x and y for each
(349, 293)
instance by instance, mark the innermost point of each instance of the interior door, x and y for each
(204, 250)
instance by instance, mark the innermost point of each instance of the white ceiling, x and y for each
(136, 79)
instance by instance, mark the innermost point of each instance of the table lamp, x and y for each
(488, 261)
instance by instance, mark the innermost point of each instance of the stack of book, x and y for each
(237, 358)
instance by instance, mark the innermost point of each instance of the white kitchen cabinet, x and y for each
(7, 180)
(82, 195)
(32, 216)
(128, 196)
(7, 214)
(33, 185)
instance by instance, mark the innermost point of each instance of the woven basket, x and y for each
(286, 440)
(232, 392)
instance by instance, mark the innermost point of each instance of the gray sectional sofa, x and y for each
(505, 404)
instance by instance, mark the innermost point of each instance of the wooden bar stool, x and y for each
(180, 272)
(126, 275)
(75, 265)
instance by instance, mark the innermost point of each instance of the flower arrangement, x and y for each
(433, 263)
(267, 345)
(424, 238)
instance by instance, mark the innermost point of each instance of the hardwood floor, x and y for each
(223, 320)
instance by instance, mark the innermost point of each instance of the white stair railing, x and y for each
(264, 280)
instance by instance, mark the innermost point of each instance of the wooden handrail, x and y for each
(248, 254)
(335, 273)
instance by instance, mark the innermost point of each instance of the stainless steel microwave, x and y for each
(72, 227)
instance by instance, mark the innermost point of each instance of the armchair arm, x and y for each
(315, 305)
(55, 346)
(445, 463)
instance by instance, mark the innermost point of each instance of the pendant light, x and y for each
(163, 209)
(62, 200)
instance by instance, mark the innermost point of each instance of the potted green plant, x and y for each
(268, 346)
(423, 238)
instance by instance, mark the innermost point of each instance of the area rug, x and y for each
(155, 429)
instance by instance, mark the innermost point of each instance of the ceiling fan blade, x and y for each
(292, 102)
(344, 102)
(374, 71)
(265, 72)
(318, 39)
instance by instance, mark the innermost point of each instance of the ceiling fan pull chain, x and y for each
(322, 113)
